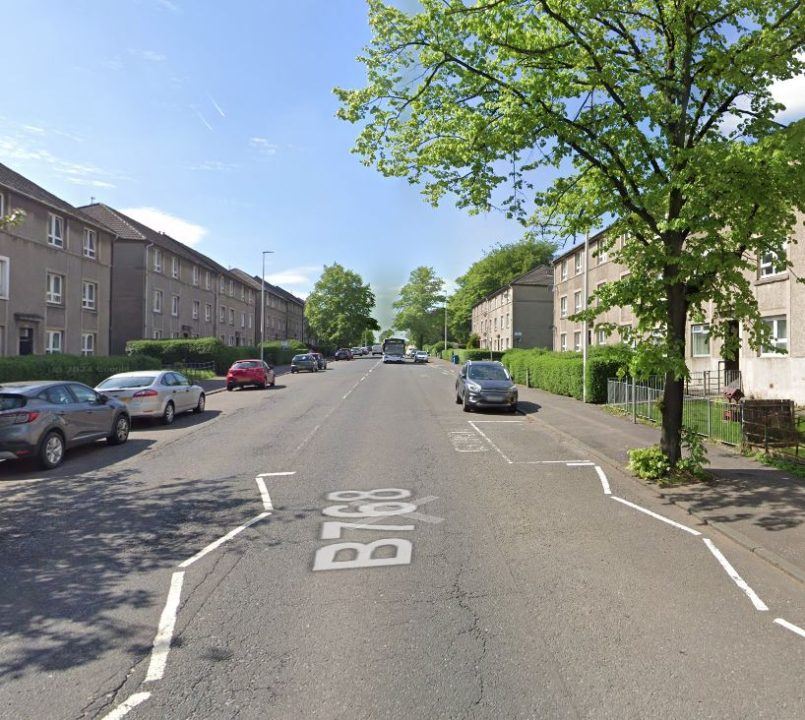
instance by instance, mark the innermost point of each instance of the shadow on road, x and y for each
(528, 408)
(181, 421)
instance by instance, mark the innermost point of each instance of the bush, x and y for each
(648, 463)
(473, 341)
(88, 370)
(464, 354)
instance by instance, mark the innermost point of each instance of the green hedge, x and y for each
(89, 370)
(561, 372)
(477, 354)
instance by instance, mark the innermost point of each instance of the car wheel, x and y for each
(513, 408)
(51, 450)
(230, 388)
(169, 415)
(120, 430)
(271, 384)
(458, 399)
(202, 403)
(466, 405)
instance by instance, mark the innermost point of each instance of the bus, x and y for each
(393, 350)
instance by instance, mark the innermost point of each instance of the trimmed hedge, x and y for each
(477, 354)
(88, 370)
(561, 372)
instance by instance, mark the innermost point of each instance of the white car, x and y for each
(421, 356)
(159, 394)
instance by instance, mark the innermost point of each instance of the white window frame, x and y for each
(222, 314)
(768, 265)
(243, 319)
(231, 288)
(157, 260)
(249, 316)
(232, 316)
(577, 341)
(2, 205)
(55, 222)
(195, 275)
(157, 334)
(563, 342)
(87, 344)
(51, 296)
(196, 309)
(207, 312)
(207, 280)
(90, 244)
(157, 301)
(222, 285)
(779, 342)
(578, 262)
(577, 301)
(175, 305)
(563, 306)
(89, 301)
(564, 269)
(5, 277)
(50, 345)
(601, 336)
(175, 267)
(699, 331)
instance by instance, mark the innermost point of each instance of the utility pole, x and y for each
(263, 304)
(445, 324)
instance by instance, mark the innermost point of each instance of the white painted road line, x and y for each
(276, 474)
(790, 626)
(736, 578)
(164, 636)
(604, 482)
(261, 486)
(658, 517)
(516, 422)
(220, 541)
(550, 462)
(484, 436)
(579, 464)
(129, 704)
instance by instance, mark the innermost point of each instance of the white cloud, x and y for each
(298, 280)
(91, 183)
(790, 93)
(168, 5)
(263, 146)
(179, 229)
(203, 119)
(216, 106)
(214, 165)
(148, 55)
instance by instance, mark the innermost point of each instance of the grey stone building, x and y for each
(284, 317)
(55, 274)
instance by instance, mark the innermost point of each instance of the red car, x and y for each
(249, 372)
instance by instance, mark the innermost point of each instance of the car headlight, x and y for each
(473, 387)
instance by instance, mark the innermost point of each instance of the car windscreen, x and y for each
(486, 372)
(246, 364)
(299, 358)
(12, 402)
(132, 381)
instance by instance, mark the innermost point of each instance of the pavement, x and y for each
(350, 544)
(759, 507)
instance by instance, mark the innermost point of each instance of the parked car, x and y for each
(484, 383)
(377, 350)
(304, 362)
(44, 419)
(156, 394)
(411, 352)
(421, 356)
(321, 361)
(343, 354)
(356, 351)
(256, 373)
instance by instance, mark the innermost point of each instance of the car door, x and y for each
(183, 393)
(269, 371)
(94, 415)
(461, 382)
(62, 404)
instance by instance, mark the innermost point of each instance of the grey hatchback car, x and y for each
(484, 383)
(304, 362)
(43, 419)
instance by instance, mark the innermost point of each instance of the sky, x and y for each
(215, 122)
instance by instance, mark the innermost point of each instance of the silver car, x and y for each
(42, 419)
(158, 394)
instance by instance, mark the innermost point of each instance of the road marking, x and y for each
(220, 541)
(790, 626)
(550, 462)
(516, 422)
(261, 486)
(604, 481)
(128, 704)
(579, 464)
(658, 517)
(484, 436)
(736, 578)
(467, 441)
(276, 474)
(164, 636)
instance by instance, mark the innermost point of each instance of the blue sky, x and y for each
(215, 122)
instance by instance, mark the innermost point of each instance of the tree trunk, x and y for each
(674, 390)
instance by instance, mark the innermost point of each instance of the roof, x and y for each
(127, 228)
(245, 278)
(277, 290)
(23, 186)
(539, 275)
(573, 248)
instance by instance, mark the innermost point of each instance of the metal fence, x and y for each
(194, 371)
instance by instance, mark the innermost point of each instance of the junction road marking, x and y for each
(603, 478)
(276, 474)
(164, 636)
(790, 626)
(221, 540)
(657, 516)
(467, 441)
(129, 704)
(736, 578)
(261, 486)
(486, 437)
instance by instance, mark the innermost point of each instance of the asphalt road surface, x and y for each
(350, 544)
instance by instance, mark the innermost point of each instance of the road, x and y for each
(194, 572)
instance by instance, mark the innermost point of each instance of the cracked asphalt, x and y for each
(529, 593)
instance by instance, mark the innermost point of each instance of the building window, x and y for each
(577, 340)
(577, 262)
(55, 230)
(577, 300)
(601, 255)
(507, 321)
(157, 301)
(222, 285)
(250, 321)
(55, 342)
(87, 343)
(243, 319)
(563, 306)
(208, 312)
(222, 314)
(175, 267)
(700, 340)
(601, 336)
(195, 275)
(157, 334)
(232, 340)
(5, 277)
(243, 293)
(231, 288)
(564, 269)
(90, 243)
(89, 295)
(231, 316)
(175, 305)
(55, 289)
(157, 260)
(779, 334)
(196, 308)
(2, 207)
(771, 264)
(563, 342)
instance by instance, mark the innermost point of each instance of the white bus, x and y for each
(393, 350)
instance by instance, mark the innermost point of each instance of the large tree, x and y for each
(339, 310)
(418, 303)
(497, 268)
(657, 113)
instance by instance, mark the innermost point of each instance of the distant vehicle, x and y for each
(43, 419)
(483, 384)
(343, 354)
(256, 373)
(421, 356)
(158, 394)
(356, 351)
(321, 361)
(410, 351)
(393, 350)
(304, 362)
(377, 350)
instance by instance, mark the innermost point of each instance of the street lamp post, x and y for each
(263, 304)
(445, 325)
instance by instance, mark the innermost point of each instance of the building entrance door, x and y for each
(26, 341)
